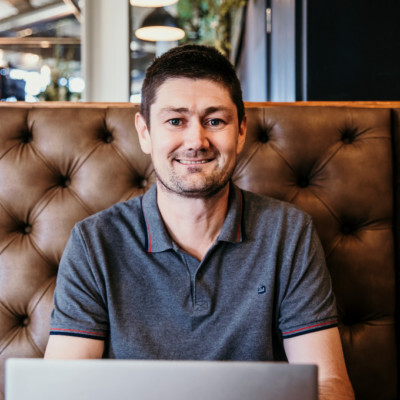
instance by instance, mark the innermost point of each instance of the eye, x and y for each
(175, 121)
(214, 122)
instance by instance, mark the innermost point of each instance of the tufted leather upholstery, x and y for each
(60, 163)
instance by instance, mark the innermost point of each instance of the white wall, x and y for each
(252, 68)
(105, 50)
(283, 51)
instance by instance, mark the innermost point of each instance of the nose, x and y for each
(196, 137)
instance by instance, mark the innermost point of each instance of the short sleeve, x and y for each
(306, 299)
(79, 305)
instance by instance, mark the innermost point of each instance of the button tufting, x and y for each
(303, 182)
(67, 182)
(264, 135)
(27, 229)
(349, 135)
(348, 320)
(143, 183)
(27, 137)
(24, 320)
(108, 138)
(346, 229)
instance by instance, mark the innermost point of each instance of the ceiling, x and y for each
(36, 18)
(40, 27)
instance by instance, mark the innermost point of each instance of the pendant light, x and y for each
(159, 25)
(152, 3)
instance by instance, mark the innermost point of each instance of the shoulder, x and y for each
(271, 209)
(272, 220)
(124, 213)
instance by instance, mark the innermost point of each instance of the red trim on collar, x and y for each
(149, 235)
(239, 231)
(148, 230)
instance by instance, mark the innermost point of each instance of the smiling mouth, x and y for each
(193, 162)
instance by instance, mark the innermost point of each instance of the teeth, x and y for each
(192, 162)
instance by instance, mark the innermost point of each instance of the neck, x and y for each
(193, 223)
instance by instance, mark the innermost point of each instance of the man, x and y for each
(196, 268)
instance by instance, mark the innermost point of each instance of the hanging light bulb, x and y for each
(159, 25)
(152, 3)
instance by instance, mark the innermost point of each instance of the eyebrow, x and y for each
(211, 110)
(181, 110)
(207, 111)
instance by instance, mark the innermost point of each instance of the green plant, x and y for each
(209, 22)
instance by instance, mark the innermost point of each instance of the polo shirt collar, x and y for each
(232, 228)
(158, 239)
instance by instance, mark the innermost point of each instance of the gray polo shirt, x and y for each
(123, 280)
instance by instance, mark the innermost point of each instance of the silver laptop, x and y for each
(37, 379)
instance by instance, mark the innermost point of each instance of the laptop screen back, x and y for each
(38, 379)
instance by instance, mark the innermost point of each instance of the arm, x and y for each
(69, 347)
(324, 349)
(79, 311)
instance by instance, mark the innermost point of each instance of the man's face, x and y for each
(195, 136)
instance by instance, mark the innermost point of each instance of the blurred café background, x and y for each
(283, 50)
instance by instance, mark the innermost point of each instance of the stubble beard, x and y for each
(210, 186)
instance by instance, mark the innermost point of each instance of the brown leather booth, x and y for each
(60, 163)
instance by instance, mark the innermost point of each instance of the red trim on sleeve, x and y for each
(310, 327)
(77, 331)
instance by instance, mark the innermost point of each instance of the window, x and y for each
(40, 50)
(211, 22)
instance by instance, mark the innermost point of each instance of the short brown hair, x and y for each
(193, 62)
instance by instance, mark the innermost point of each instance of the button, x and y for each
(27, 137)
(143, 183)
(67, 182)
(303, 182)
(349, 135)
(201, 305)
(108, 138)
(27, 229)
(347, 229)
(264, 137)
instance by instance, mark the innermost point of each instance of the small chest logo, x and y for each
(261, 289)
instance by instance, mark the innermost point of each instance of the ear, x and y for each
(143, 133)
(242, 135)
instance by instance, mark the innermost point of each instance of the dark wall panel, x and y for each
(352, 49)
